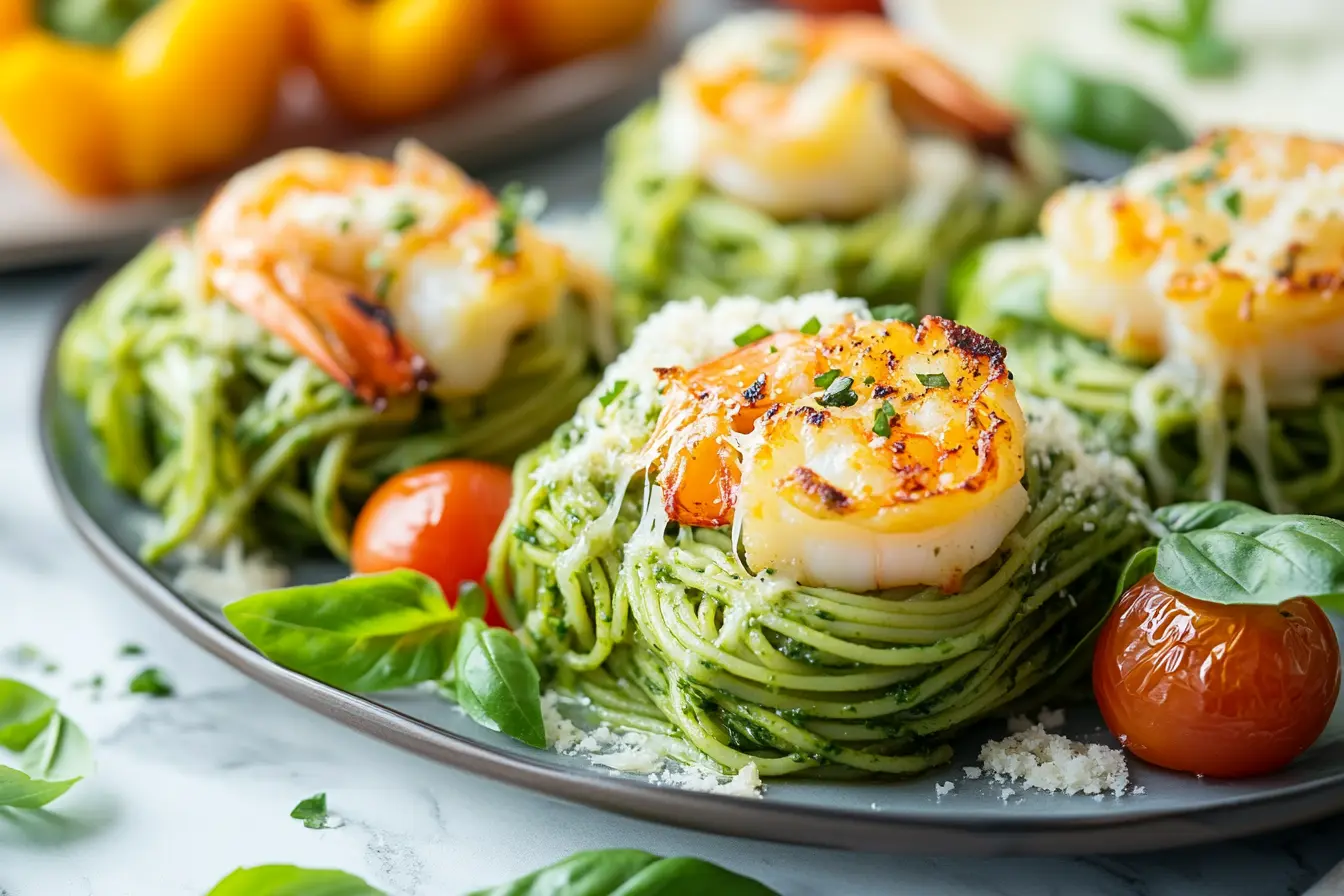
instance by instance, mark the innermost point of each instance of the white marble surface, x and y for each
(190, 787)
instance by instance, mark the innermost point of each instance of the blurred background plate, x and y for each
(494, 127)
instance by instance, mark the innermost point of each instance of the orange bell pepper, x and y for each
(186, 89)
(381, 60)
(547, 32)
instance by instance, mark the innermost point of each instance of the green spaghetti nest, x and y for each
(1193, 444)
(224, 430)
(660, 628)
(676, 238)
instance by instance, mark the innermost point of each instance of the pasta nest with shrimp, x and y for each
(1193, 309)
(787, 536)
(787, 154)
(329, 321)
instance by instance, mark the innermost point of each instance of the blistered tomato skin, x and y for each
(1228, 691)
(437, 519)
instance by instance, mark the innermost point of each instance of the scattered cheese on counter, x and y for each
(943, 789)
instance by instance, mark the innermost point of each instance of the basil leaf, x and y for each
(289, 880)
(592, 873)
(1257, 558)
(1195, 515)
(24, 712)
(364, 633)
(496, 683)
(151, 681)
(312, 812)
(629, 872)
(52, 762)
(471, 600)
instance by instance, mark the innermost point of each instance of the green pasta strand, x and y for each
(1194, 449)
(676, 238)
(664, 631)
(225, 431)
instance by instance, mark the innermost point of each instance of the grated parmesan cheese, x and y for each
(971, 772)
(943, 789)
(1052, 762)
(637, 753)
(230, 576)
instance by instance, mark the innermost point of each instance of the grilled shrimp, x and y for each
(390, 276)
(1229, 254)
(871, 455)
(798, 116)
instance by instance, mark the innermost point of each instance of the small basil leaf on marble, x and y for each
(1194, 515)
(1256, 557)
(24, 712)
(496, 683)
(153, 682)
(364, 633)
(290, 880)
(312, 812)
(629, 872)
(52, 761)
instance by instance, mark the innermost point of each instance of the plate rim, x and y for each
(1241, 815)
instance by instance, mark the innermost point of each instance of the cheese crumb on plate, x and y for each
(1036, 758)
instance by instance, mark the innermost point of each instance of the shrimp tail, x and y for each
(925, 90)
(348, 336)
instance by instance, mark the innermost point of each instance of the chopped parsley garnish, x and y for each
(1203, 175)
(754, 333)
(312, 812)
(933, 380)
(827, 378)
(869, 380)
(152, 682)
(1217, 254)
(510, 212)
(1232, 202)
(344, 226)
(384, 285)
(783, 62)
(610, 395)
(403, 218)
(1166, 194)
(839, 394)
(769, 570)
(904, 312)
(811, 328)
(773, 349)
(131, 650)
(882, 419)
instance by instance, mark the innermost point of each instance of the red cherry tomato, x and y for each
(1223, 690)
(823, 7)
(437, 519)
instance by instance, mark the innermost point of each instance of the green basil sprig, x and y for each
(629, 872)
(605, 872)
(363, 634)
(496, 683)
(289, 880)
(1229, 552)
(394, 629)
(1232, 553)
(42, 753)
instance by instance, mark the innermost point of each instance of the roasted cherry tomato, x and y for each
(822, 7)
(1225, 690)
(437, 519)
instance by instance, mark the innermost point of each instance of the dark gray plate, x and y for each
(901, 816)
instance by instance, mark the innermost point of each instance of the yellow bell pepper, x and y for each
(186, 89)
(381, 60)
(548, 32)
